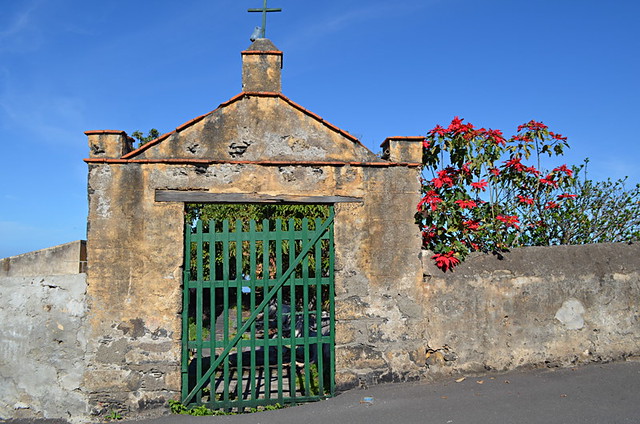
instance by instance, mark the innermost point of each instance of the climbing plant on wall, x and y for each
(485, 192)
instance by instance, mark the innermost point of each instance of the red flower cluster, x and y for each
(524, 138)
(446, 261)
(438, 130)
(548, 180)
(480, 185)
(558, 137)
(526, 200)
(509, 220)
(466, 204)
(431, 199)
(456, 223)
(551, 205)
(563, 168)
(515, 164)
(532, 126)
(495, 136)
(445, 178)
(457, 127)
(471, 225)
(428, 234)
(566, 196)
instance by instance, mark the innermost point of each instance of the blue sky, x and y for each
(374, 68)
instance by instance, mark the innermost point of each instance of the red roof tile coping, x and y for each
(403, 138)
(188, 161)
(278, 52)
(235, 99)
(104, 132)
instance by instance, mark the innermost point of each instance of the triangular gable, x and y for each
(256, 126)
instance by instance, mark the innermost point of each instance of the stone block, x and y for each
(347, 331)
(346, 380)
(359, 357)
(352, 307)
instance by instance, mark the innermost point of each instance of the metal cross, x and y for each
(264, 11)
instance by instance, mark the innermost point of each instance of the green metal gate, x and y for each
(258, 326)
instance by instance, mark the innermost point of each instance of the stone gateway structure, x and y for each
(257, 147)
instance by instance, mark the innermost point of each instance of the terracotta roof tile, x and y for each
(278, 52)
(104, 132)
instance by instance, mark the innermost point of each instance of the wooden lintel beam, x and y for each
(207, 197)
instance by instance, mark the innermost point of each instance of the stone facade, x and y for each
(258, 143)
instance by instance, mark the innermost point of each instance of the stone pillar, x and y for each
(109, 143)
(402, 149)
(262, 67)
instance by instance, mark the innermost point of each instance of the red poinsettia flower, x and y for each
(495, 171)
(526, 200)
(558, 137)
(431, 199)
(563, 168)
(471, 225)
(566, 196)
(455, 125)
(446, 261)
(548, 180)
(523, 138)
(515, 164)
(466, 204)
(496, 136)
(480, 185)
(532, 170)
(445, 178)
(438, 130)
(532, 126)
(465, 168)
(551, 205)
(509, 220)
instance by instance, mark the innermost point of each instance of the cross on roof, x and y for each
(264, 11)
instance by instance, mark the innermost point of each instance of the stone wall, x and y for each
(135, 267)
(535, 306)
(43, 338)
(68, 258)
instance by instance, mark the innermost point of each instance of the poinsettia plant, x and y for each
(481, 193)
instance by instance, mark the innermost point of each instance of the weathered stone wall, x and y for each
(136, 256)
(42, 346)
(379, 324)
(68, 258)
(547, 306)
(134, 276)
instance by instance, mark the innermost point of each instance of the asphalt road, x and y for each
(596, 393)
